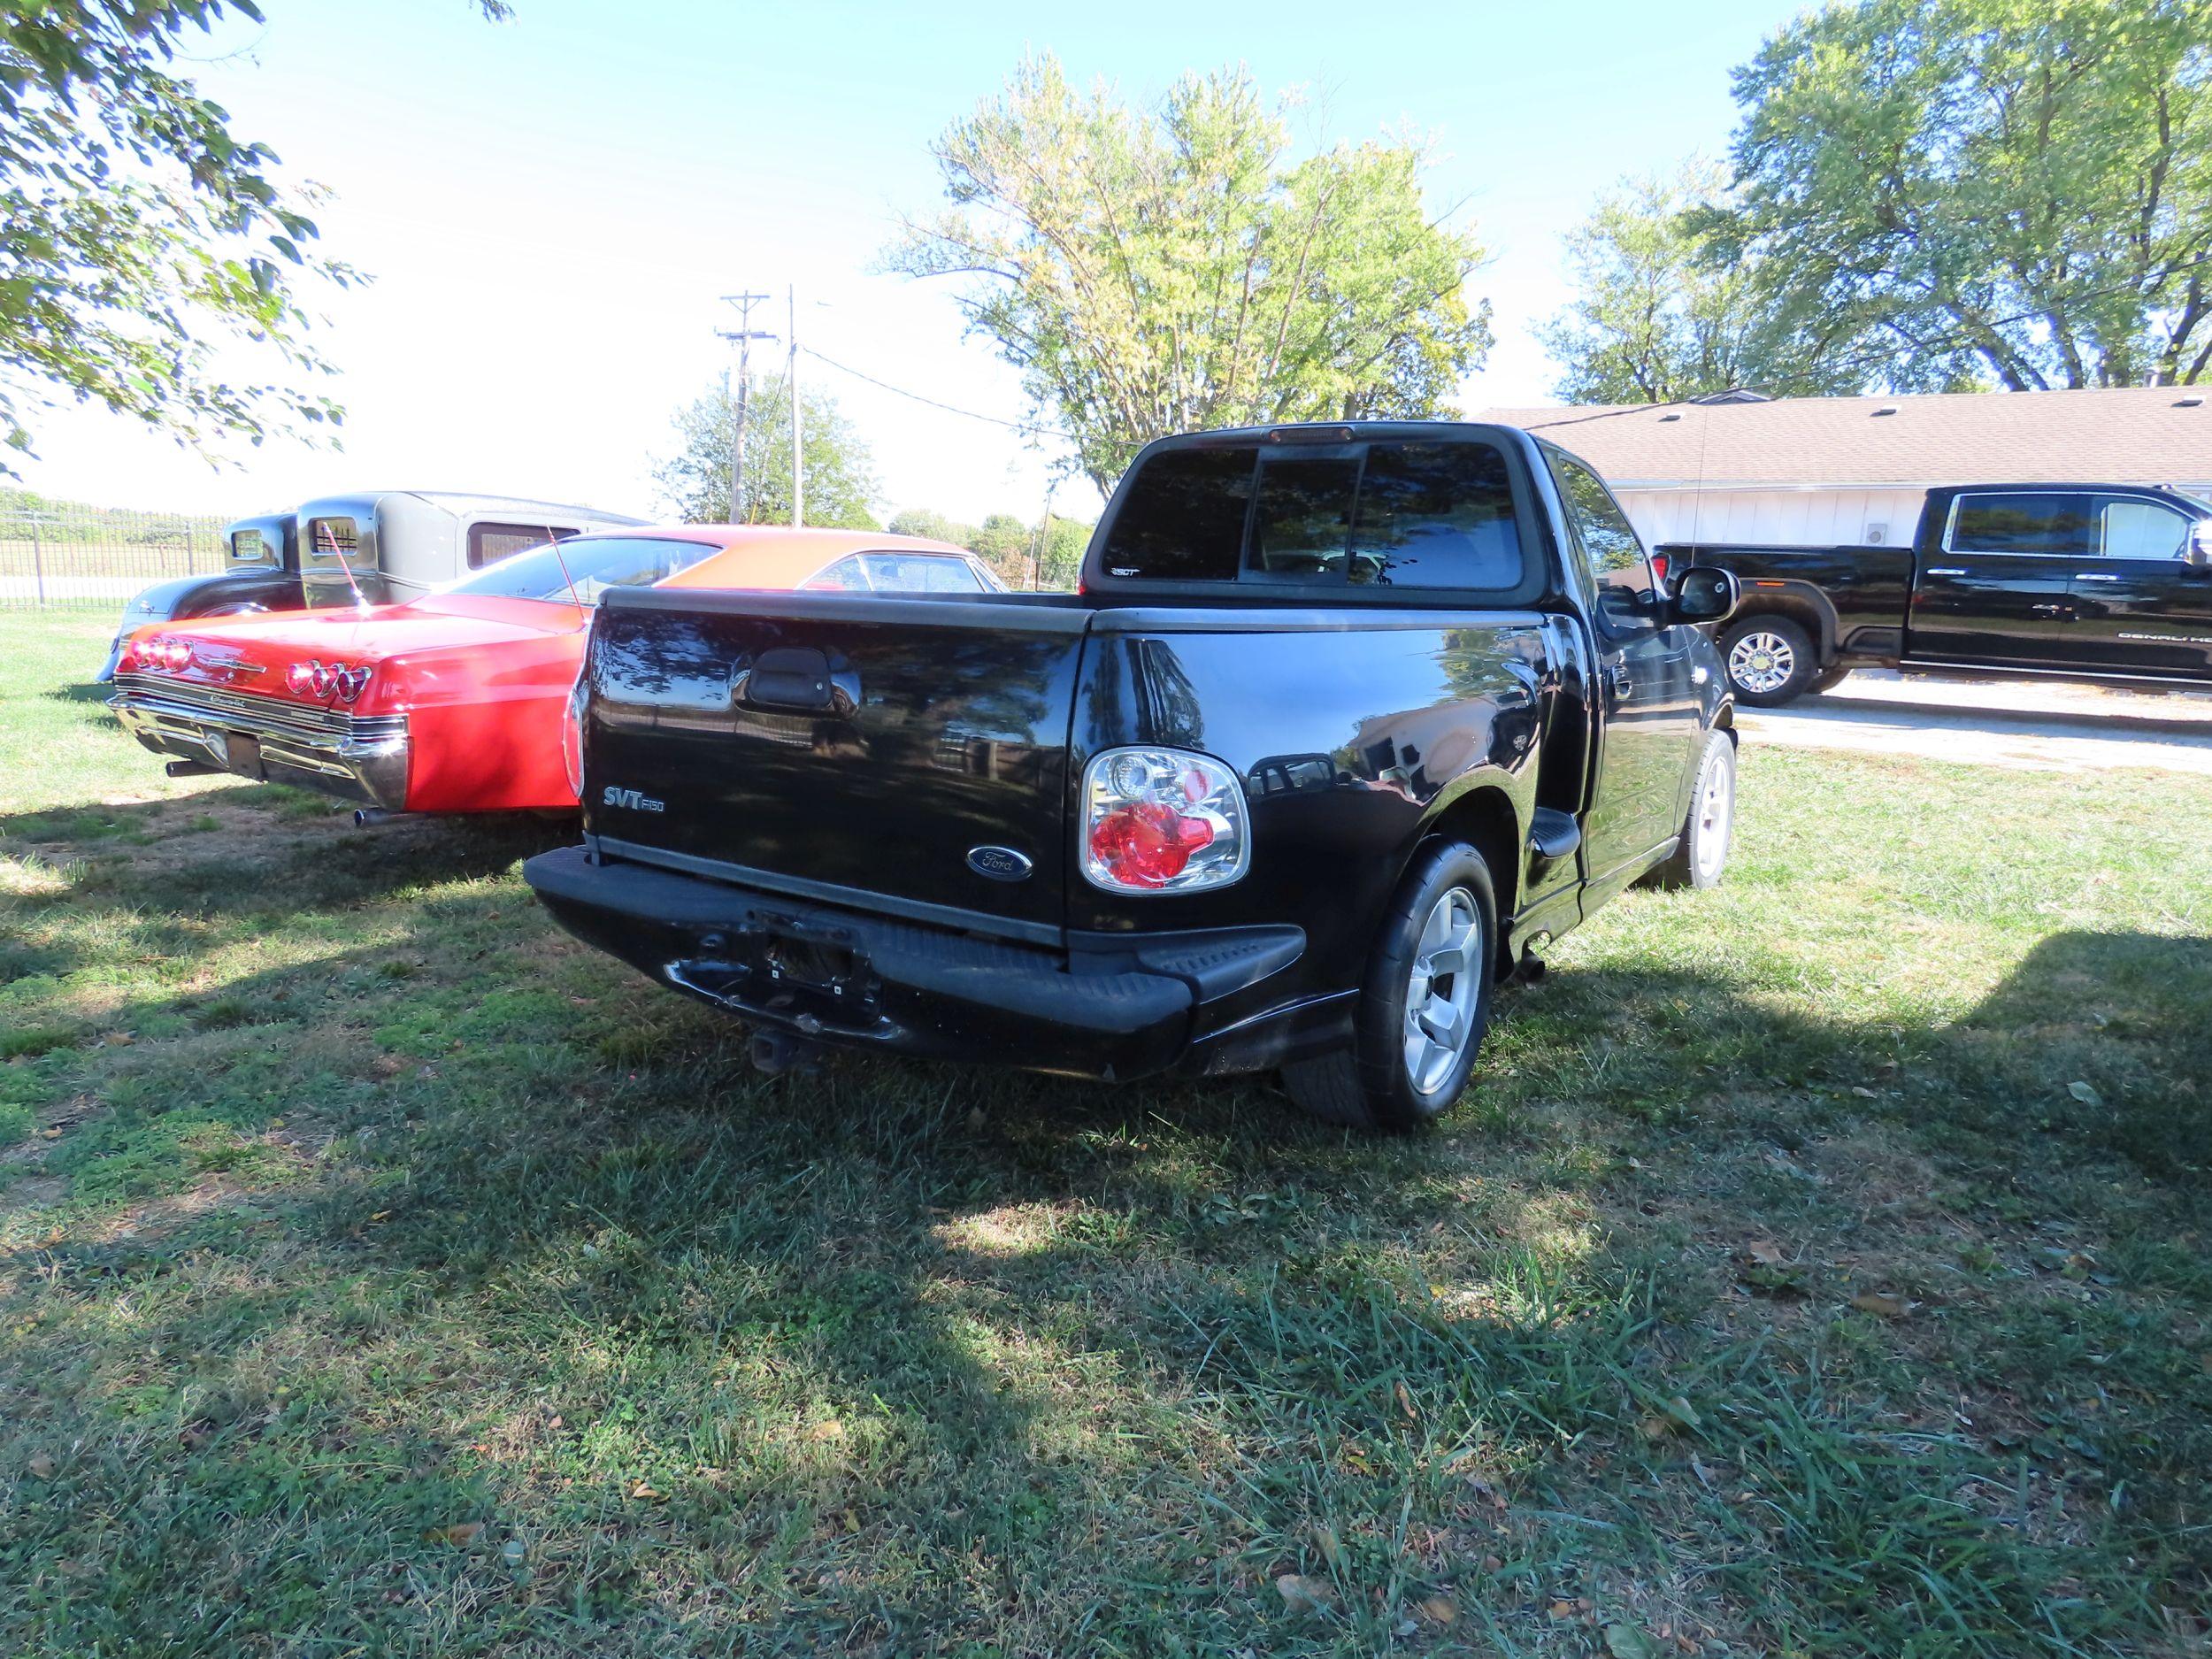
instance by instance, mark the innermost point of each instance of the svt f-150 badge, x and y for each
(612, 797)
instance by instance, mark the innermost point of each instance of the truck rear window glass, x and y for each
(1427, 514)
(488, 544)
(2039, 523)
(1182, 520)
(1304, 521)
(1436, 515)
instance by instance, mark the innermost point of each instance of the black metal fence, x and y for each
(61, 555)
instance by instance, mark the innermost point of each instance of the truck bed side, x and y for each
(1855, 601)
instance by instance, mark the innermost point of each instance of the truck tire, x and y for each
(1769, 659)
(1419, 1023)
(1701, 857)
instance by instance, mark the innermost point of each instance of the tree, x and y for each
(1660, 314)
(137, 232)
(841, 481)
(1151, 272)
(1941, 191)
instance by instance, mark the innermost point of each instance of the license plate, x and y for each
(241, 754)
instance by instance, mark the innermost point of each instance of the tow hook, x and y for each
(775, 1052)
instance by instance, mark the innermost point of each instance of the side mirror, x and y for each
(2198, 554)
(1703, 594)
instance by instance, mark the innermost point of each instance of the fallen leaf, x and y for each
(1301, 1595)
(2085, 1093)
(1880, 1304)
(1405, 1400)
(557, 1423)
(1331, 1547)
(645, 1492)
(41, 1465)
(1562, 1609)
(464, 1533)
(1676, 1415)
(1766, 1252)
(1625, 1642)
(852, 1522)
(1863, 1092)
(832, 1429)
(1438, 1610)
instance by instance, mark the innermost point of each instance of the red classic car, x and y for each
(453, 702)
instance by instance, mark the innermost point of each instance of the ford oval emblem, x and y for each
(1000, 863)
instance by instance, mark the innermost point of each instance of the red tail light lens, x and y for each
(174, 654)
(349, 683)
(1162, 820)
(299, 678)
(1659, 569)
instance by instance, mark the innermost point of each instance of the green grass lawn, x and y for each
(1821, 1267)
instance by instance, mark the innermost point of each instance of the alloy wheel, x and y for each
(1441, 990)
(1762, 661)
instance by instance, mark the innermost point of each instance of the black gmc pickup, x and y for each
(2083, 580)
(1345, 721)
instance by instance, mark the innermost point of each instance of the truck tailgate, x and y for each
(841, 747)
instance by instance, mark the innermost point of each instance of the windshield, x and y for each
(592, 563)
(2195, 500)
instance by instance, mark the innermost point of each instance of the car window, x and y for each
(1181, 519)
(845, 576)
(2044, 521)
(578, 571)
(1303, 523)
(332, 539)
(920, 573)
(1436, 515)
(252, 547)
(1611, 551)
(488, 544)
(2129, 527)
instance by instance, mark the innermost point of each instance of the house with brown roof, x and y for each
(1822, 471)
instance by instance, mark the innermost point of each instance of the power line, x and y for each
(1012, 425)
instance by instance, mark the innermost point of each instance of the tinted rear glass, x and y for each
(578, 571)
(1436, 515)
(1182, 518)
(2022, 524)
(1413, 513)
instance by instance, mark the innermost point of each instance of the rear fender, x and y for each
(1801, 601)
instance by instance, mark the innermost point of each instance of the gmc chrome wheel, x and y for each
(1441, 988)
(1762, 661)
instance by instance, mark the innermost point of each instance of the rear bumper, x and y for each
(1113, 1010)
(359, 759)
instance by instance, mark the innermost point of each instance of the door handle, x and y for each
(2093, 576)
(2049, 610)
(1945, 571)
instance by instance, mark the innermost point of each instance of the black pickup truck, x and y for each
(1345, 722)
(2083, 580)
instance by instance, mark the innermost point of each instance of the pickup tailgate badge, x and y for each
(632, 799)
(1000, 863)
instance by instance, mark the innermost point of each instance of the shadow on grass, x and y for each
(907, 1357)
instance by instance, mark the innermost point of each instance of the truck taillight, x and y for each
(1163, 820)
(1659, 569)
(572, 734)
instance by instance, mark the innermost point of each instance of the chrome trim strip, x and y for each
(250, 712)
(830, 893)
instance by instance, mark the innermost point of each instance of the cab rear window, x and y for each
(1393, 514)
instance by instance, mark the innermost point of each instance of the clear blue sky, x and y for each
(550, 206)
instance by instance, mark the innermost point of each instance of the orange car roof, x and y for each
(777, 555)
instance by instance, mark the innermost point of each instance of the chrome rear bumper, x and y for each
(360, 758)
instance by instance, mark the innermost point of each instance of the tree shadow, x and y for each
(841, 1323)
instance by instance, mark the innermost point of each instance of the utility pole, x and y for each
(791, 390)
(744, 334)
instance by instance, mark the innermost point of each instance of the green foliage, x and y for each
(137, 231)
(1657, 317)
(1938, 191)
(1150, 272)
(1008, 545)
(841, 481)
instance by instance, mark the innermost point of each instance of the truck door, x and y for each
(2138, 608)
(1991, 582)
(1650, 731)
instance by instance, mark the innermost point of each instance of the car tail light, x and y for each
(1163, 820)
(1659, 569)
(300, 677)
(349, 683)
(127, 657)
(174, 654)
(572, 734)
